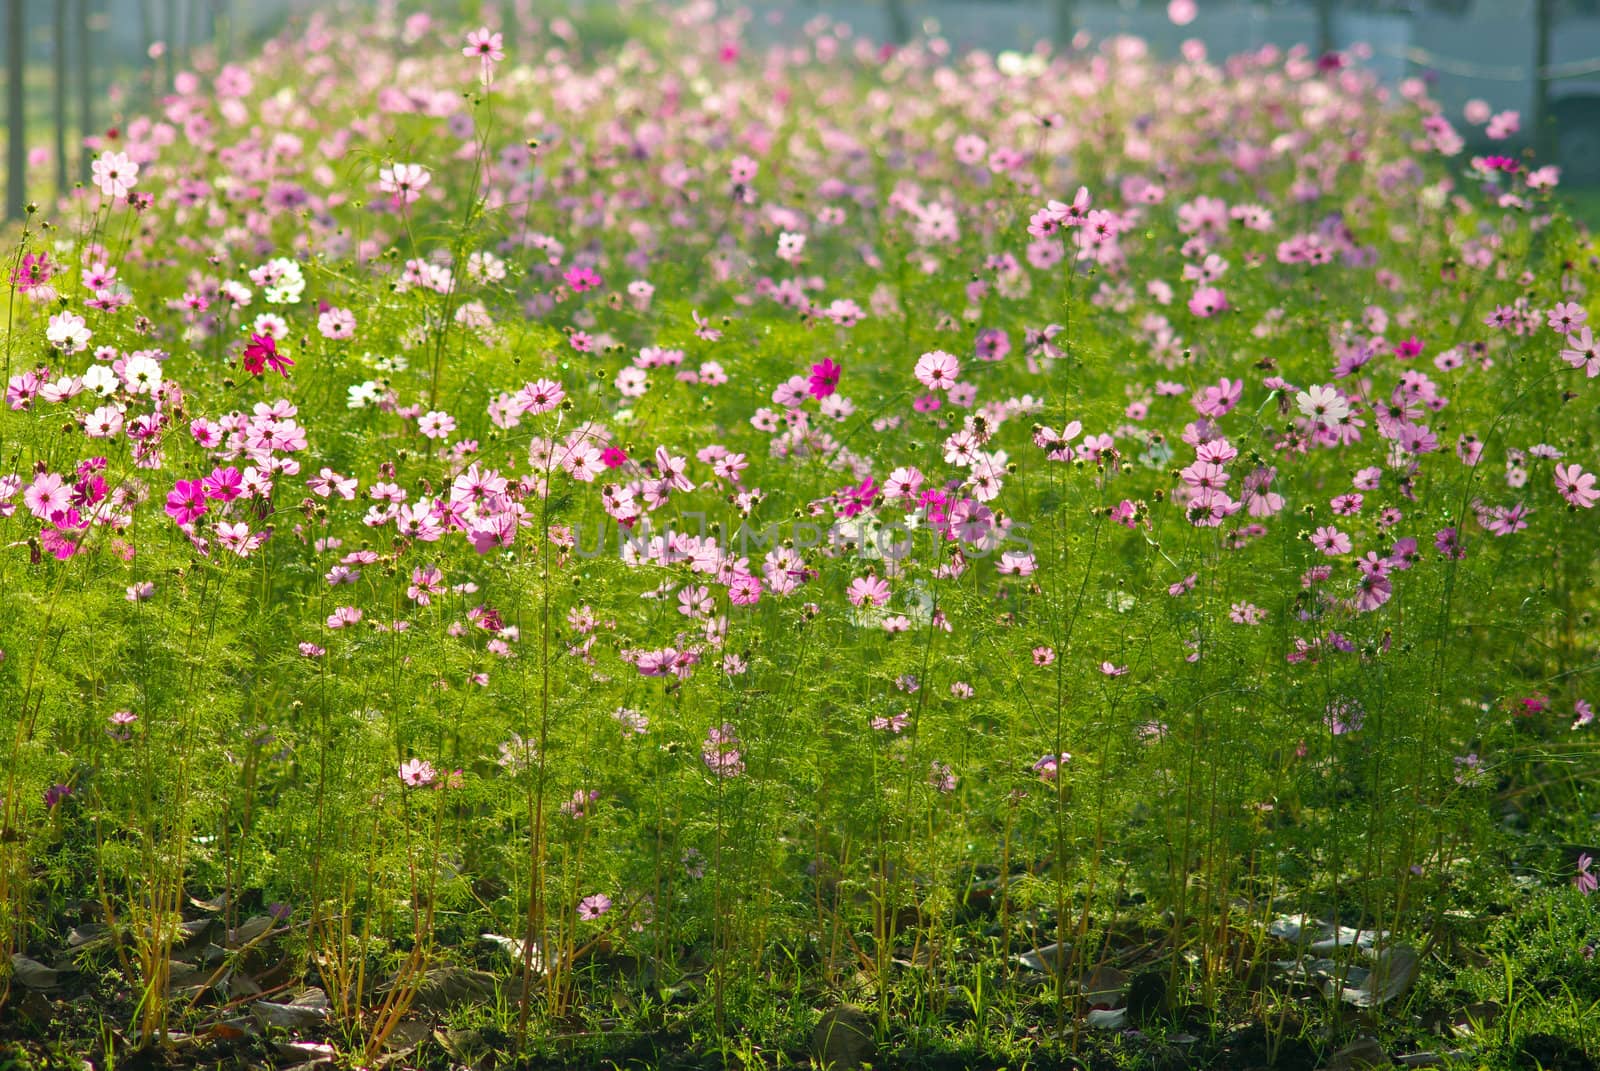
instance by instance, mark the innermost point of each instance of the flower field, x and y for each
(540, 547)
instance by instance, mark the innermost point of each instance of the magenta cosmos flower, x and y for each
(824, 378)
(262, 353)
(187, 501)
(581, 279)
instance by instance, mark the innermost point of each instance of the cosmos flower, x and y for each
(114, 173)
(593, 906)
(824, 378)
(405, 181)
(1576, 486)
(262, 353)
(417, 773)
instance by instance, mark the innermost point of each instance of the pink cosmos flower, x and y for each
(1208, 301)
(1344, 716)
(868, 589)
(122, 725)
(405, 181)
(1372, 590)
(674, 470)
(720, 752)
(1219, 399)
(1567, 317)
(937, 370)
(1586, 880)
(1204, 476)
(47, 495)
(1330, 541)
(592, 907)
(1016, 563)
(1246, 613)
(540, 396)
(488, 47)
(1503, 125)
(337, 325)
(578, 806)
(1576, 486)
(237, 537)
(436, 425)
(417, 773)
(1447, 541)
(344, 617)
(114, 173)
(744, 590)
(327, 482)
(1583, 353)
(1505, 520)
(1049, 766)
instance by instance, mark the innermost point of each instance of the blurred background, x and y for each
(74, 67)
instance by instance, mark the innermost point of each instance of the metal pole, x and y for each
(1066, 22)
(59, 97)
(16, 113)
(147, 66)
(169, 34)
(899, 24)
(1544, 127)
(85, 88)
(1324, 27)
(222, 29)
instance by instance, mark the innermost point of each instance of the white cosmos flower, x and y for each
(1323, 405)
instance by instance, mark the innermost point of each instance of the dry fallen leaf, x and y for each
(515, 948)
(1360, 1055)
(1104, 985)
(1051, 958)
(1393, 971)
(33, 974)
(307, 1009)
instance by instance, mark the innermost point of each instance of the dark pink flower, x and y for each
(824, 378)
(187, 501)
